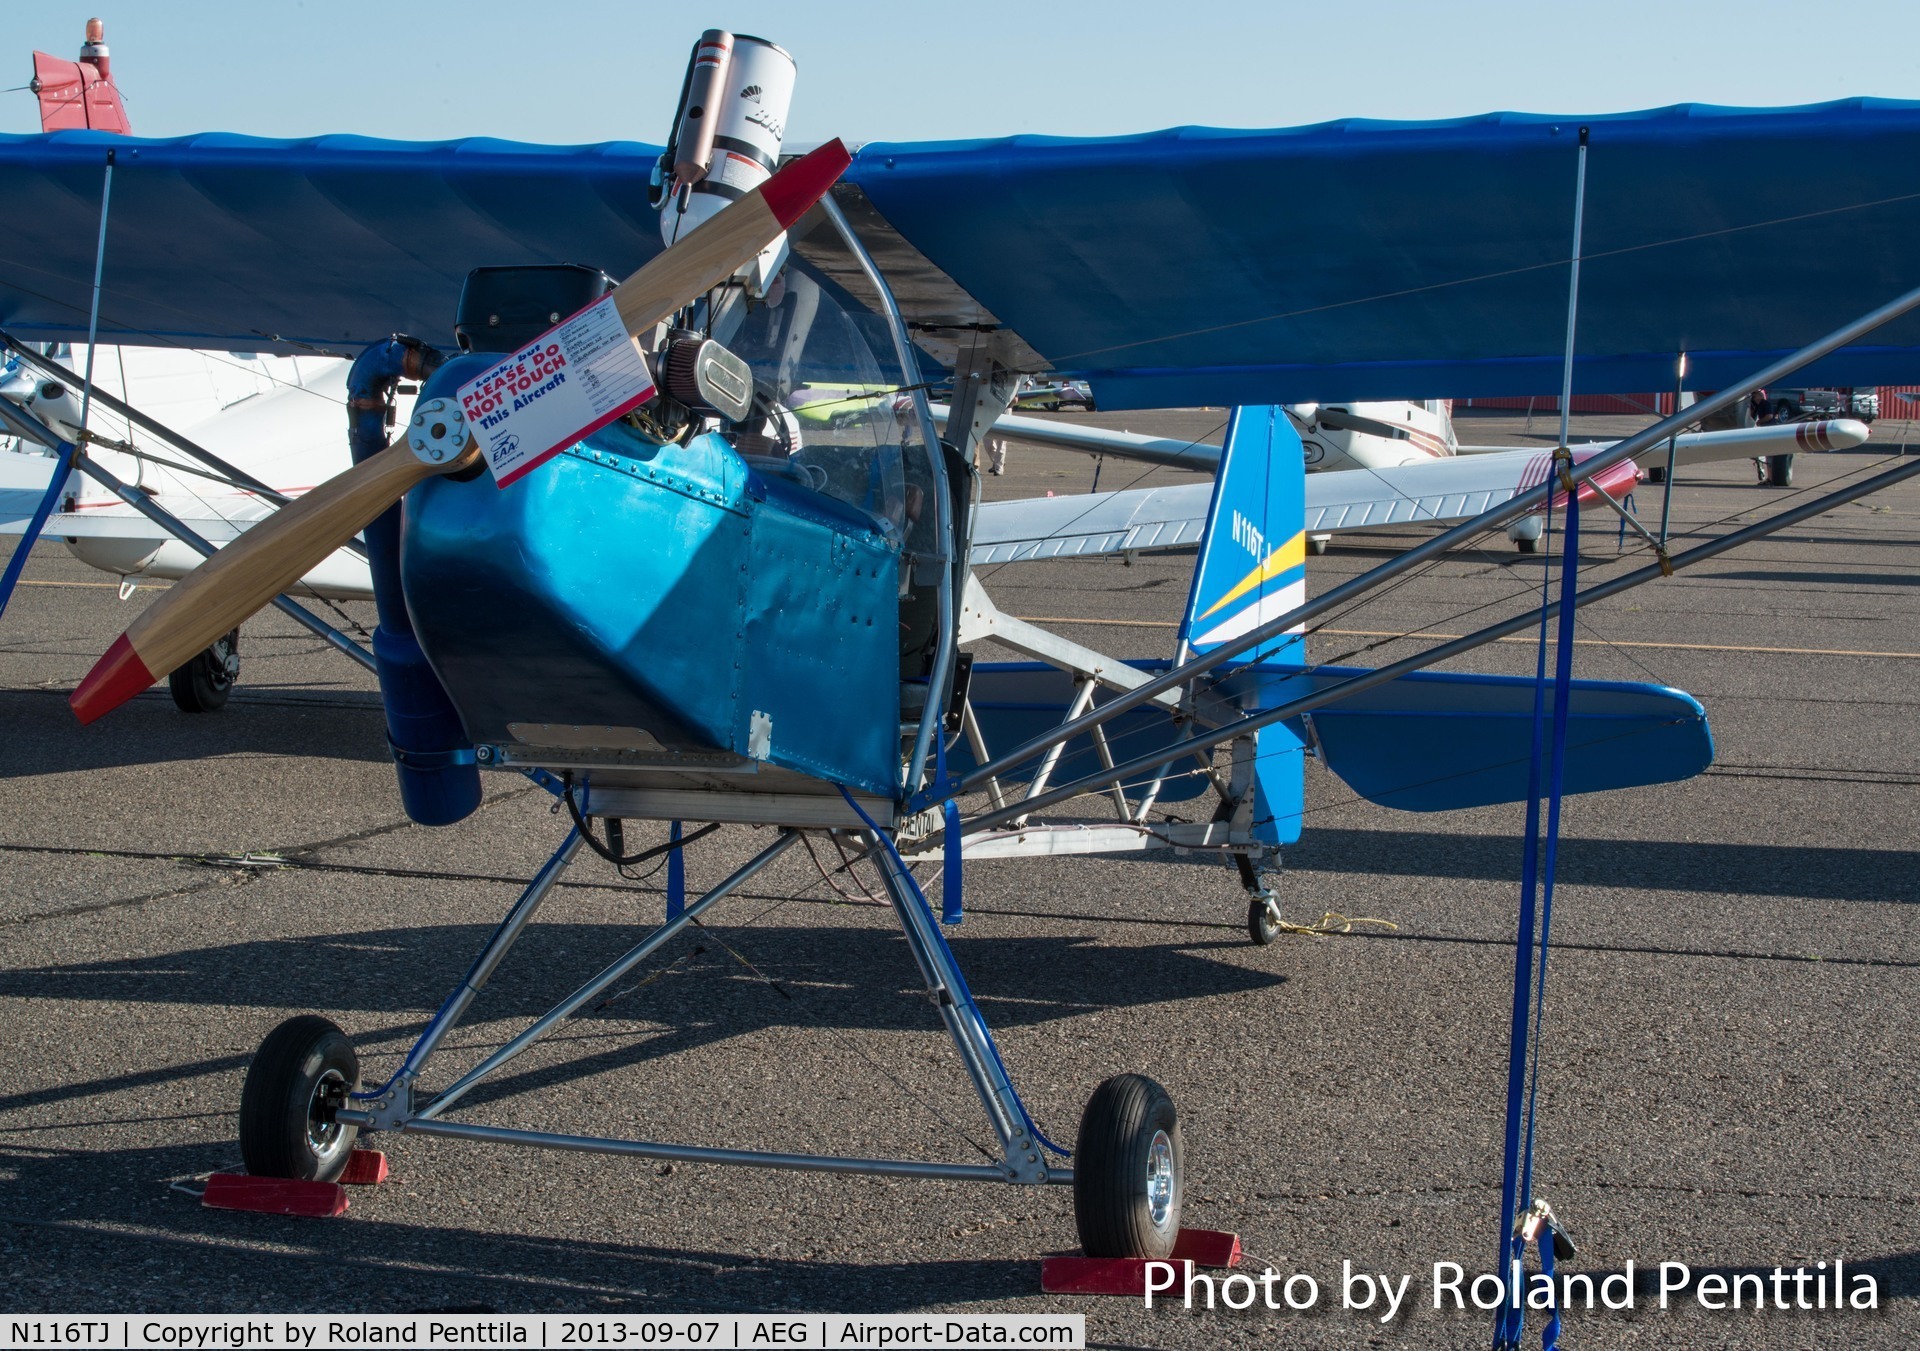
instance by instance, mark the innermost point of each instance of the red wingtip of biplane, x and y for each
(789, 193)
(114, 679)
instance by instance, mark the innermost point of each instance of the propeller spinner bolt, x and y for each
(438, 432)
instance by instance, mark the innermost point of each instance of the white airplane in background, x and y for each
(280, 419)
(1365, 475)
(1374, 435)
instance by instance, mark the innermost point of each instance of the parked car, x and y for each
(1796, 403)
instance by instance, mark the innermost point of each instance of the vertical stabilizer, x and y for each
(1252, 568)
(1253, 556)
(80, 95)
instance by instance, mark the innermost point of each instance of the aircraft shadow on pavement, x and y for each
(360, 1264)
(1812, 873)
(43, 737)
(856, 979)
(1781, 577)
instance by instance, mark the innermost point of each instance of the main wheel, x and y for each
(299, 1078)
(1780, 471)
(204, 682)
(1528, 544)
(1128, 1165)
(1263, 920)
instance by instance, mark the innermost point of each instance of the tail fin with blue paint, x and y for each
(1252, 568)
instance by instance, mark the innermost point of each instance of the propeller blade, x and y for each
(246, 574)
(270, 557)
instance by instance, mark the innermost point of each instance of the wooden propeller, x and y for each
(267, 559)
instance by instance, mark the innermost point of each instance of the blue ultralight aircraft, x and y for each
(673, 601)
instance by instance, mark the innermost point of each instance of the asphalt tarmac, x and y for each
(1727, 1074)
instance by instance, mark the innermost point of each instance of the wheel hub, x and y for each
(325, 1134)
(1160, 1179)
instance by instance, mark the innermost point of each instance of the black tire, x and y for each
(1129, 1123)
(1780, 471)
(1656, 473)
(1527, 546)
(1263, 925)
(203, 684)
(299, 1076)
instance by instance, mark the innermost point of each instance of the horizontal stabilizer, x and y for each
(1433, 741)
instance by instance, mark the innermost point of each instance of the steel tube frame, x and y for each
(1335, 693)
(1519, 505)
(969, 1034)
(933, 712)
(749, 1158)
(1023, 1162)
(484, 965)
(625, 963)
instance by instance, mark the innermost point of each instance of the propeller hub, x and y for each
(438, 433)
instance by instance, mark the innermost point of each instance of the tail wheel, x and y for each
(1528, 545)
(1127, 1170)
(299, 1078)
(1263, 920)
(1780, 471)
(203, 684)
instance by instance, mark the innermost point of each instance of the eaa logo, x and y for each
(507, 444)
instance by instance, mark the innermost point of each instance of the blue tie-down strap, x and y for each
(951, 910)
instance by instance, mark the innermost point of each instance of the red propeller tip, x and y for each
(800, 184)
(114, 679)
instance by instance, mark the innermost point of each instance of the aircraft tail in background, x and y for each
(1252, 568)
(80, 95)
(1253, 553)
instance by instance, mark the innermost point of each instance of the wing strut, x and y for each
(1511, 510)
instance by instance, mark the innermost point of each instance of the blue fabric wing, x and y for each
(1348, 260)
(242, 243)
(1362, 259)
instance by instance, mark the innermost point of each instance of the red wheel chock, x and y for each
(1128, 1275)
(287, 1196)
(274, 1195)
(365, 1168)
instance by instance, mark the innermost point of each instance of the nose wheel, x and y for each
(1128, 1170)
(299, 1078)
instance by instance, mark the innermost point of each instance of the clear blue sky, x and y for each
(590, 70)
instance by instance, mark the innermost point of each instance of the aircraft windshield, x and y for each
(830, 397)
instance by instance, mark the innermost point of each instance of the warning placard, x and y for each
(569, 382)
